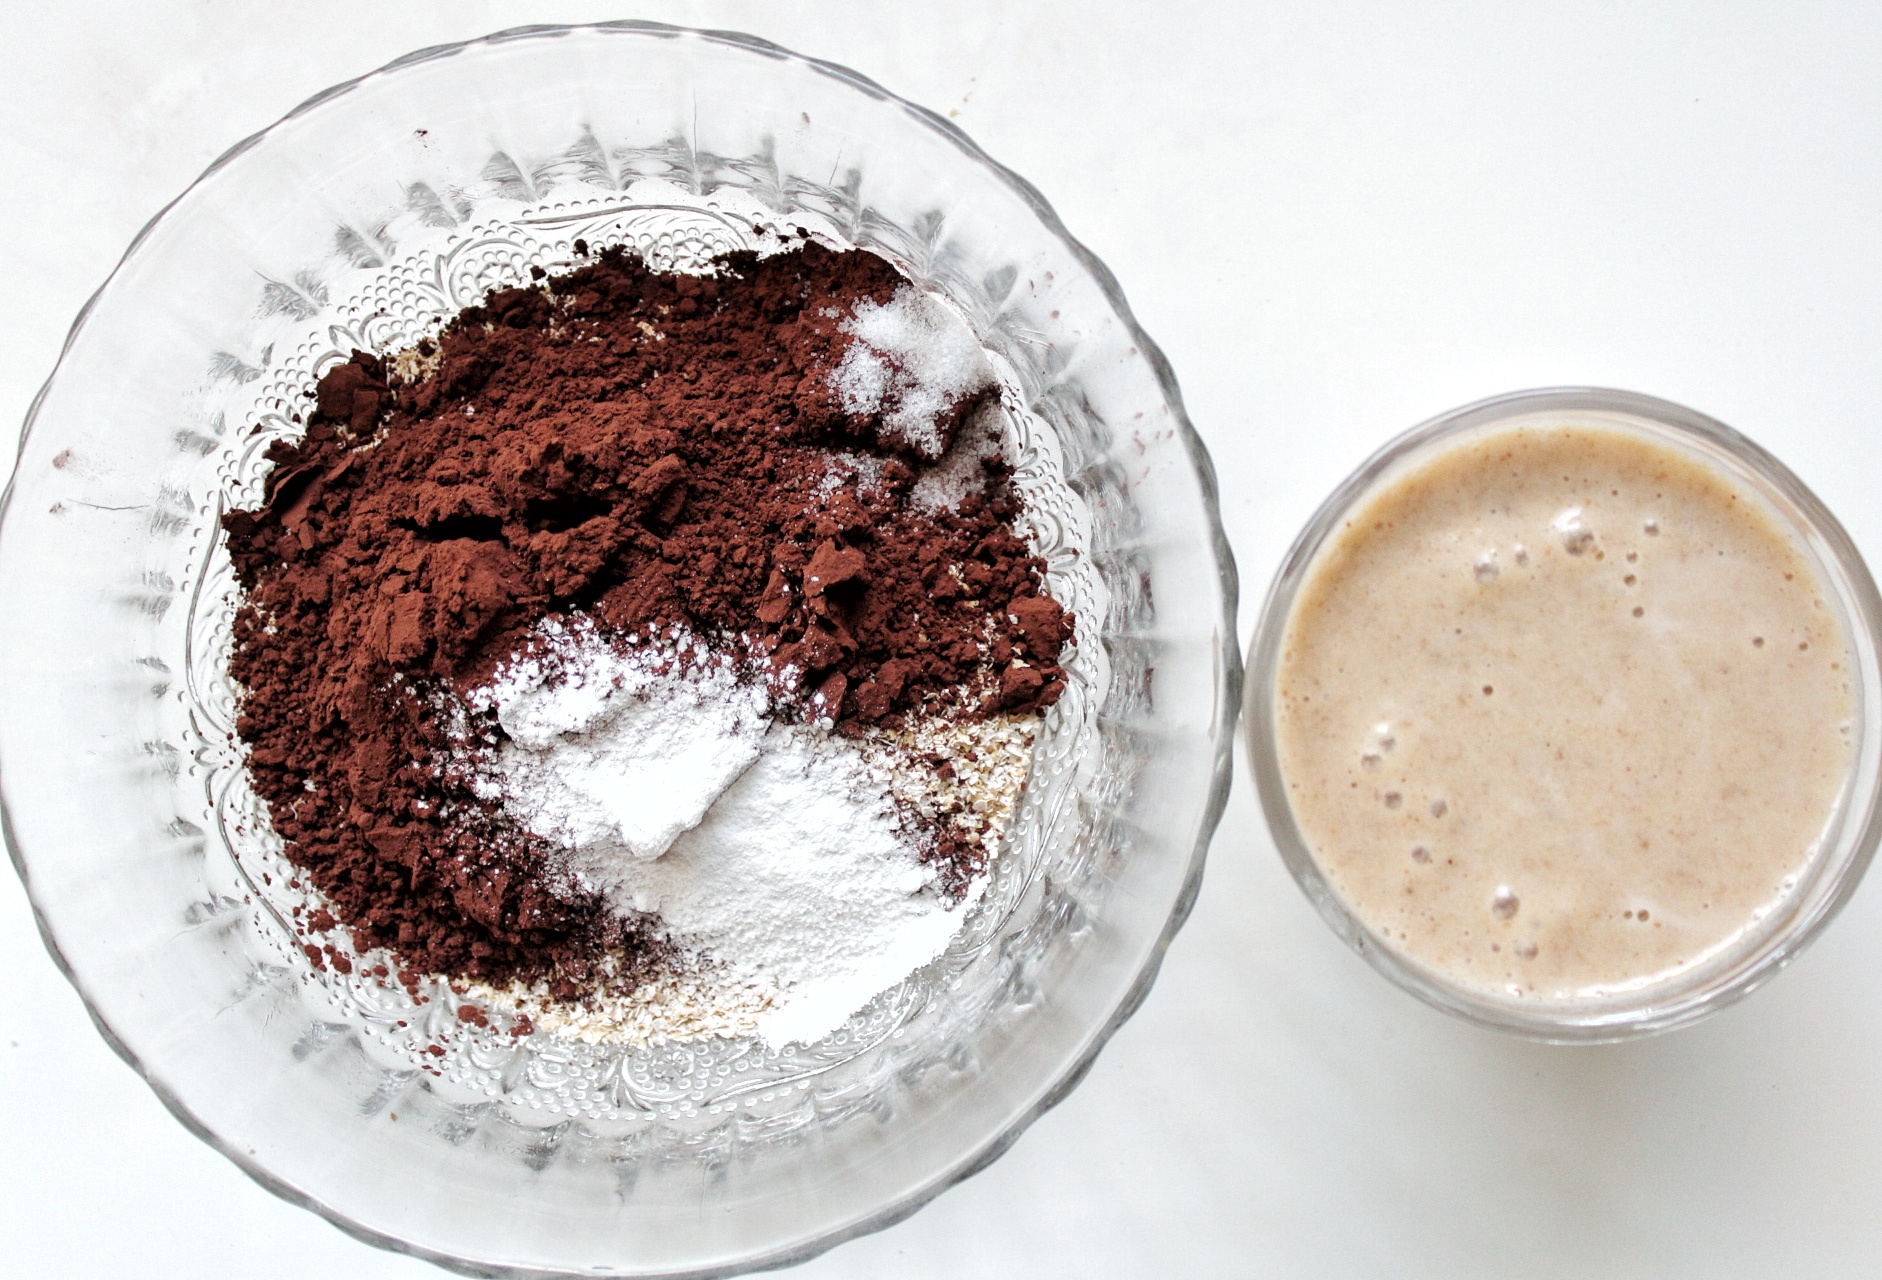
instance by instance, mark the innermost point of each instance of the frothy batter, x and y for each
(1562, 709)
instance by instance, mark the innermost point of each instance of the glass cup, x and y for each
(1849, 836)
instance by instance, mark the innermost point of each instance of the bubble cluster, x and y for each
(1576, 536)
(1381, 740)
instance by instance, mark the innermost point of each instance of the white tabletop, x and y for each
(1337, 218)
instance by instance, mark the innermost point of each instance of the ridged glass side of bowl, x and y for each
(1850, 835)
(430, 262)
(414, 188)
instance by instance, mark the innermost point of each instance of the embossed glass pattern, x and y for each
(365, 219)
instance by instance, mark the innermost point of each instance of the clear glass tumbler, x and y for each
(1849, 837)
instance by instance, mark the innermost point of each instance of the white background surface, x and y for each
(1337, 219)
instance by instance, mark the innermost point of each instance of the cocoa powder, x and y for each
(652, 450)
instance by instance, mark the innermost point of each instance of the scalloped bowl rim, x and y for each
(1227, 657)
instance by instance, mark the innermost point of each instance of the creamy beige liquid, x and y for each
(1562, 709)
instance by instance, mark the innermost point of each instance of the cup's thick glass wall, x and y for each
(1850, 836)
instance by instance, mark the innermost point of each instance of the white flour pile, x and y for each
(781, 858)
(801, 876)
(608, 755)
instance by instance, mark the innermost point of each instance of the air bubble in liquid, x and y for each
(1525, 950)
(1522, 554)
(1576, 536)
(1392, 799)
(1503, 902)
(1439, 808)
(1420, 853)
(1486, 567)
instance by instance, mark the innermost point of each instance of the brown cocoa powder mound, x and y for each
(652, 450)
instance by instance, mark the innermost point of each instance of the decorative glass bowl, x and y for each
(365, 219)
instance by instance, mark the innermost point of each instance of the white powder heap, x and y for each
(778, 857)
(913, 361)
(802, 875)
(608, 755)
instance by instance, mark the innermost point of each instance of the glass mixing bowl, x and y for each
(364, 219)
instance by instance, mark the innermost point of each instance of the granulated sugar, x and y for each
(862, 471)
(913, 360)
(962, 470)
